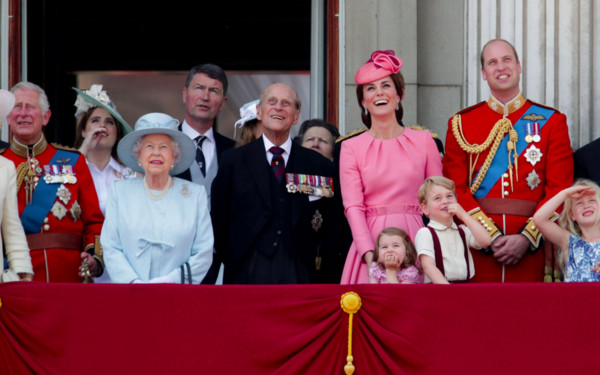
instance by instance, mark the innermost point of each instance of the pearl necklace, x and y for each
(159, 196)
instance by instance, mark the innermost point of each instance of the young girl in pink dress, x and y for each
(394, 259)
(382, 169)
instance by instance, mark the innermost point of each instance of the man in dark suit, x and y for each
(586, 161)
(265, 226)
(204, 96)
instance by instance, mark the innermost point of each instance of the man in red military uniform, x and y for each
(58, 204)
(507, 156)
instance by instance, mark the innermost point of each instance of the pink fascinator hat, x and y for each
(381, 64)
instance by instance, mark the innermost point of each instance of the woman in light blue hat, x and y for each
(157, 227)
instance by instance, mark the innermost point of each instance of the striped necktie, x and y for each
(200, 155)
(277, 163)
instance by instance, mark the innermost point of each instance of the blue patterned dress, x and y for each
(583, 256)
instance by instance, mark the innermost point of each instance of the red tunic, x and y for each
(60, 264)
(554, 170)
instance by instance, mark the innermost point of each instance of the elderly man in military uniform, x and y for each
(57, 200)
(507, 156)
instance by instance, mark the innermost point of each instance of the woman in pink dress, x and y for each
(382, 169)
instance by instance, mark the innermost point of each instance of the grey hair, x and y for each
(32, 86)
(176, 149)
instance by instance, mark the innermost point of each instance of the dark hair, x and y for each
(316, 122)
(82, 123)
(398, 80)
(211, 70)
(498, 40)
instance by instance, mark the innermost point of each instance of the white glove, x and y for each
(161, 280)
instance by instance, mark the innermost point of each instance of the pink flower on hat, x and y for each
(381, 64)
(387, 60)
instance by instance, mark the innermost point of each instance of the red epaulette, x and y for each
(65, 148)
(465, 110)
(544, 106)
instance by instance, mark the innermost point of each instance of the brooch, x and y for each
(185, 190)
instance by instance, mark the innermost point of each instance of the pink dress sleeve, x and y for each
(410, 275)
(377, 272)
(353, 197)
(434, 160)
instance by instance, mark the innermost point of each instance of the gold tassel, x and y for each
(350, 303)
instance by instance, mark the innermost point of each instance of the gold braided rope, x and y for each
(22, 170)
(350, 303)
(496, 135)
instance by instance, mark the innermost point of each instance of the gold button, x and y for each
(506, 193)
(489, 229)
(479, 218)
(505, 183)
(486, 226)
(46, 227)
(45, 220)
(505, 175)
(533, 227)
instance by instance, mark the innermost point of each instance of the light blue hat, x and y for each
(157, 123)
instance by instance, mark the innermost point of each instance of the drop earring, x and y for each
(366, 112)
(397, 106)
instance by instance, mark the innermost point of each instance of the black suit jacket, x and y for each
(587, 161)
(222, 144)
(242, 204)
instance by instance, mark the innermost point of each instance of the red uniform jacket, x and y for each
(75, 214)
(541, 174)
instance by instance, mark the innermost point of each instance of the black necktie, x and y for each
(199, 155)
(277, 163)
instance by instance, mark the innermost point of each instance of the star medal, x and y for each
(533, 179)
(58, 210)
(317, 221)
(533, 155)
(75, 211)
(63, 194)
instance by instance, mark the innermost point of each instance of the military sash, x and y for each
(498, 166)
(44, 195)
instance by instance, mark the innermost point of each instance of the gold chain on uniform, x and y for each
(496, 135)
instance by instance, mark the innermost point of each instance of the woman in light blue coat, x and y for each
(157, 227)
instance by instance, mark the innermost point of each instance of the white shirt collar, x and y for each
(437, 226)
(286, 146)
(192, 133)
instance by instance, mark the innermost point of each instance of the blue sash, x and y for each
(44, 196)
(500, 162)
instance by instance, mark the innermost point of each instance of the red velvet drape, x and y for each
(407, 329)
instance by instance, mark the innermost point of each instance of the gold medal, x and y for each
(528, 138)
